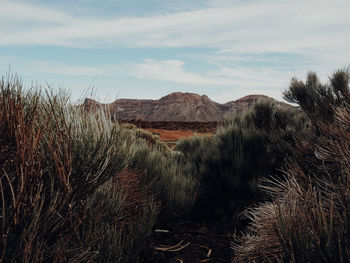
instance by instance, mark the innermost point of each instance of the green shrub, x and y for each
(309, 218)
(165, 176)
(319, 100)
(115, 234)
(250, 146)
(153, 141)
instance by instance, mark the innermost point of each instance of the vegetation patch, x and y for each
(77, 187)
(308, 219)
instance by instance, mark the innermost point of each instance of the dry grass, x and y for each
(58, 202)
(135, 195)
(56, 161)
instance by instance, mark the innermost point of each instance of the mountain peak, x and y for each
(89, 102)
(253, 98)
(183, 97)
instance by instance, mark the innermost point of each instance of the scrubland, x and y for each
(77, 187)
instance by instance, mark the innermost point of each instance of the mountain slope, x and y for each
(177, 106)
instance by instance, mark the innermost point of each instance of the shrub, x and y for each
(57, 203)
(153, 141)
(319, 100)
(114, 229)
(308, 221)
(250, 146)
(165, 176)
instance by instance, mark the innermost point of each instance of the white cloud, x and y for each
(16, 12)
(168, 70)
(239, 80)
(260, 26)
(59, 69)
(312, 29)
(39, 67)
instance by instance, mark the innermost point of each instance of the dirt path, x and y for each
(186, 242)
(181, 241)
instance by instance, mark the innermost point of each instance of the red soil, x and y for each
(200, 127)
(174, 135)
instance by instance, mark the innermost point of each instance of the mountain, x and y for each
(177, 106)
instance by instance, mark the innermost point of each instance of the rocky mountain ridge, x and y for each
(178, 106)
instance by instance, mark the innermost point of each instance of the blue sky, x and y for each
(149, 48)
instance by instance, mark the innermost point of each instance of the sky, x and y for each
(146, 49)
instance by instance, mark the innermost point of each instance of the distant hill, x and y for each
(177, 106)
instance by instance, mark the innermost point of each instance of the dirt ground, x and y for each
(174, 135)
(200, 127)
(191, 241)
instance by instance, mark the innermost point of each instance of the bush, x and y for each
(318, 100)
(114, 229)
(57, 202)
(250, 146)
(165, 176)
(308, 221)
